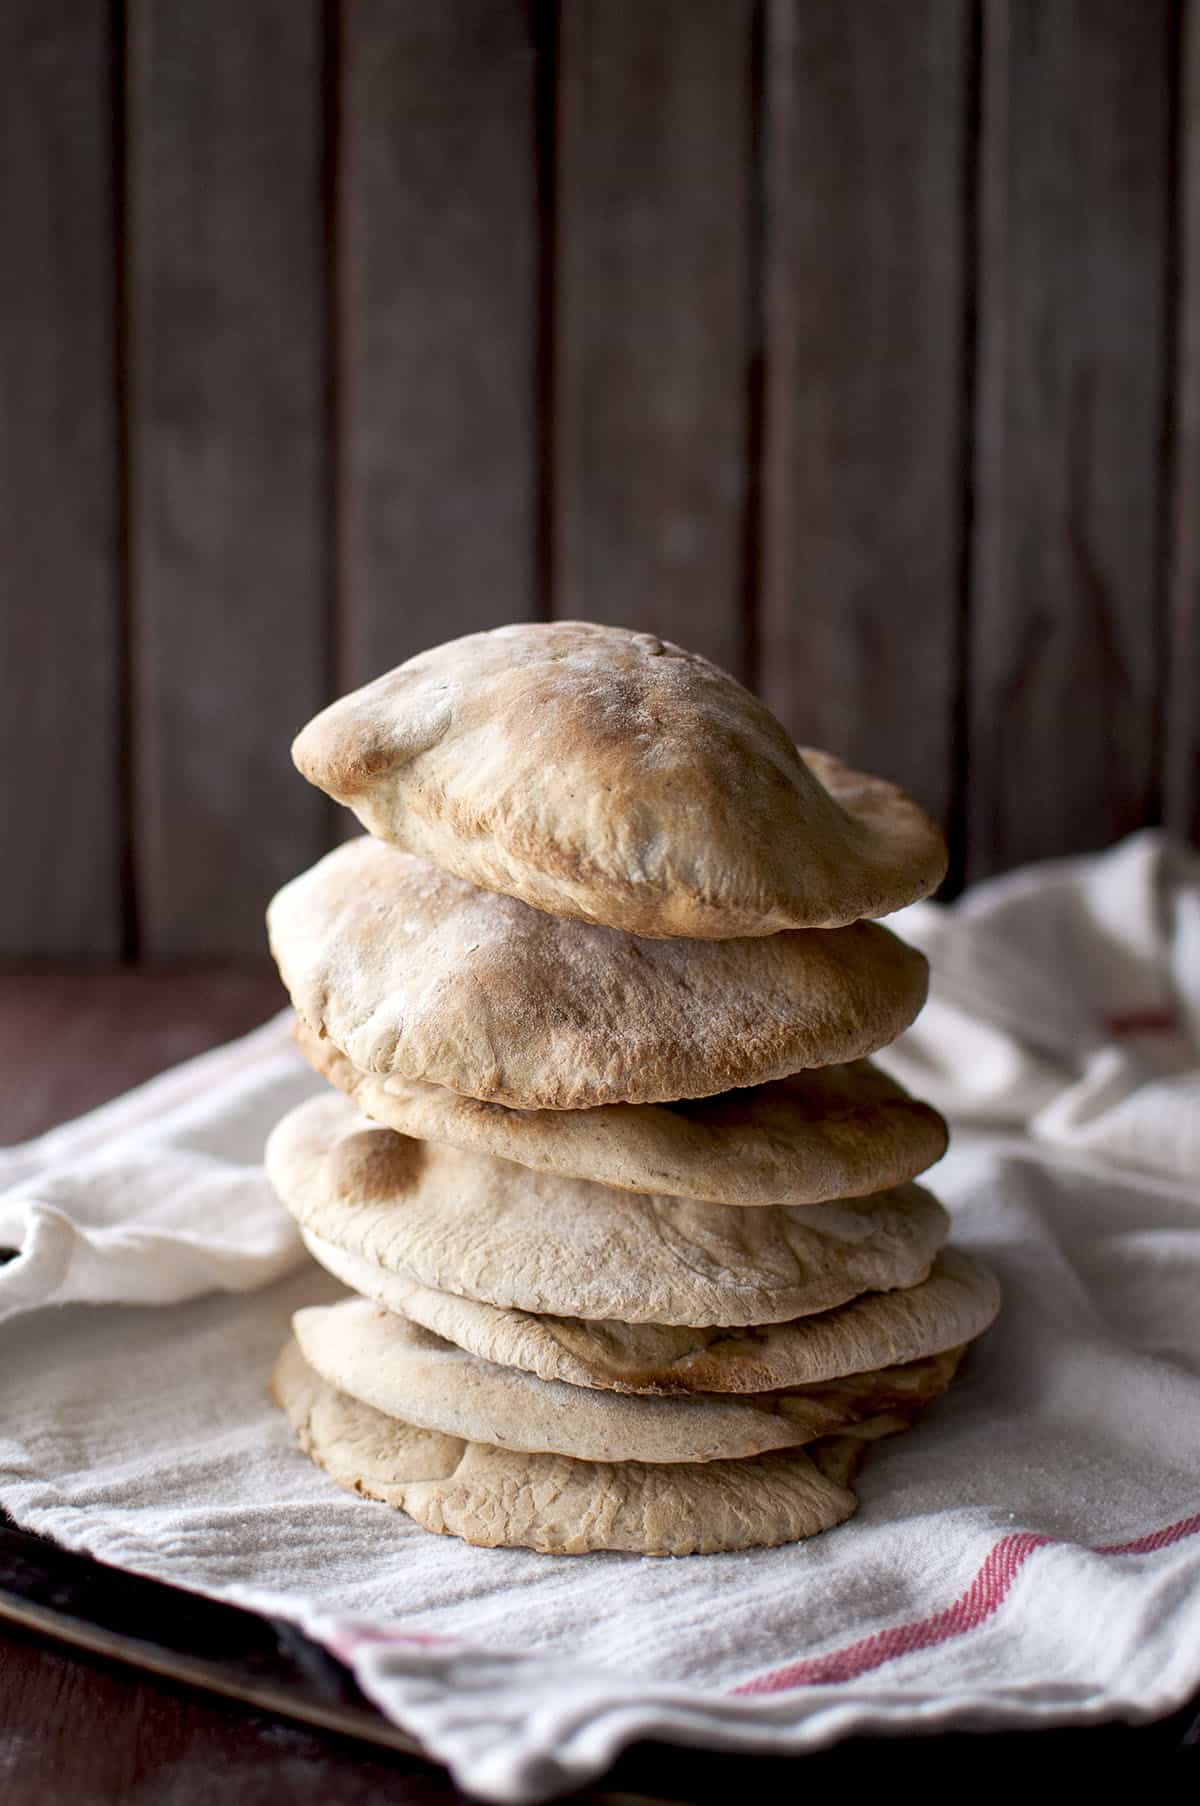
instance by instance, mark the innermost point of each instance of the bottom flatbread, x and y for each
(560, 1506)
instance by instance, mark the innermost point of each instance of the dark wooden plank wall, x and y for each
(855, 345)
(1181, 788)
(1074, 328)
(61, 805)
(437, 274)
(652, 304)
(866, 258)
(226, 395)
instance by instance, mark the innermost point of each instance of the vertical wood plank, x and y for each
(439, 308)
(227, 425)
(868, 109)
(60, 826)
(653, 365)
(1066, 612)
(1181, 790)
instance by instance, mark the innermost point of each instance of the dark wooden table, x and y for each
(78, 1730)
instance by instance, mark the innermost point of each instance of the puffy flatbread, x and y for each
(611, 776)
(391, 1363)
(489, 1229)
(955, 1304)
(559, 1506)
(409, 970)
(834, 1132)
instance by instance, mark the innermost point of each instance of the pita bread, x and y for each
(489, 1229)
(386, 1361)
(558, 1506)
(834, 1132)
(615, 778)
(409, 970)
(957, 1303)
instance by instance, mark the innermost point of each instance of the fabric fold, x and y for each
(1065, 1000)
(159, 1196)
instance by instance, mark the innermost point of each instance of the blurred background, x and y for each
(853, 343)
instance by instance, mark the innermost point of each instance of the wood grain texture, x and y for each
(652, 317)
(60, 821)
(417, 318)
(71, 1040)
(79, 1731)
(1066, 612)
(866, 151)
(226, 413)
(1181, 776)
(439, 310)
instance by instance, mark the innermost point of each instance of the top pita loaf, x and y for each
(613, 777)
(409, 970)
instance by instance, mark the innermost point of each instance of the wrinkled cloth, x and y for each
(1028, 1555)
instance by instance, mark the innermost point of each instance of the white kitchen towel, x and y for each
(1029, 1554)
(159, 1195)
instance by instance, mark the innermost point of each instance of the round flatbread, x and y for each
(486, 1228)
(615, 778)
(387, 1361)
(409, 970)
(954, 1305)
(834, 1132)
(559, 1506)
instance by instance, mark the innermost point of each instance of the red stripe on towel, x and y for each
(985, 1595)
(1142, 1022)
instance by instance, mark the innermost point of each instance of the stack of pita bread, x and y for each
(631, 1218)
